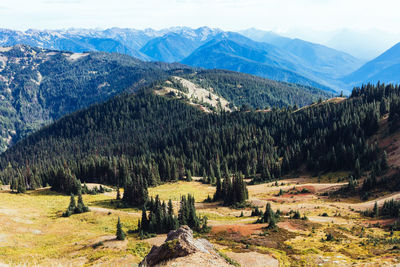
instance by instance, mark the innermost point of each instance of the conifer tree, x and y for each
(357, 169)
(144, 226)
(21, 186)
(376, 210)
(170, 208)
(80, 207)
(268, 214)
(13, 185)
(384, 161)
(135, 191)
(118, 193)
(182, 214)
(218, 192)
(71, 207)
(189, 176)
(120, 233)
(85, 189)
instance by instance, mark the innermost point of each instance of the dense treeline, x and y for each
(158, 217)
(158, 139)
(39, 86)
(231, 191)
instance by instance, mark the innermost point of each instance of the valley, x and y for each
(199, 133)
(288, 185)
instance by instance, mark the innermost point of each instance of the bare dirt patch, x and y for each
(382, 222)
(76, 56)
(290, 226)
(253, 259)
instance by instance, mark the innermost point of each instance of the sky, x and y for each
(277, 15)
(346, 25)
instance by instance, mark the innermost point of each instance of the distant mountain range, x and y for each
(261, 53)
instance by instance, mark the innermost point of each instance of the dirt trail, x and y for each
(370, 204)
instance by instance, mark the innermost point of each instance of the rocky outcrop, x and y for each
(181, 249)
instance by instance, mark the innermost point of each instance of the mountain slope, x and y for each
(230, 55)
(384, 68)
(265, 36)
(255, 92)
(321, 59)
(316, 56)
(160, 139)
(38, 86)
(176, 45)
(171, 47)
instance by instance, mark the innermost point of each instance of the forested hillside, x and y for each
(38, 86)
(159, 139)
(255, 92)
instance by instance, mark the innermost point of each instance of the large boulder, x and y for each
(180, 243)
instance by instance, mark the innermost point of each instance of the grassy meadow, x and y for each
(33, 232)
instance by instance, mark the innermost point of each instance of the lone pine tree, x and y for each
(120, 233)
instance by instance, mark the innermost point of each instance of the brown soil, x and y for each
(292, 226)
(383, 222)
(242, 229)
(271, 238)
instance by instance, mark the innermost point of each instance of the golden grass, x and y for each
(174, 191)
(32, 231)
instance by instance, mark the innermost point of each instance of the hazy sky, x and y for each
(277, 15)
